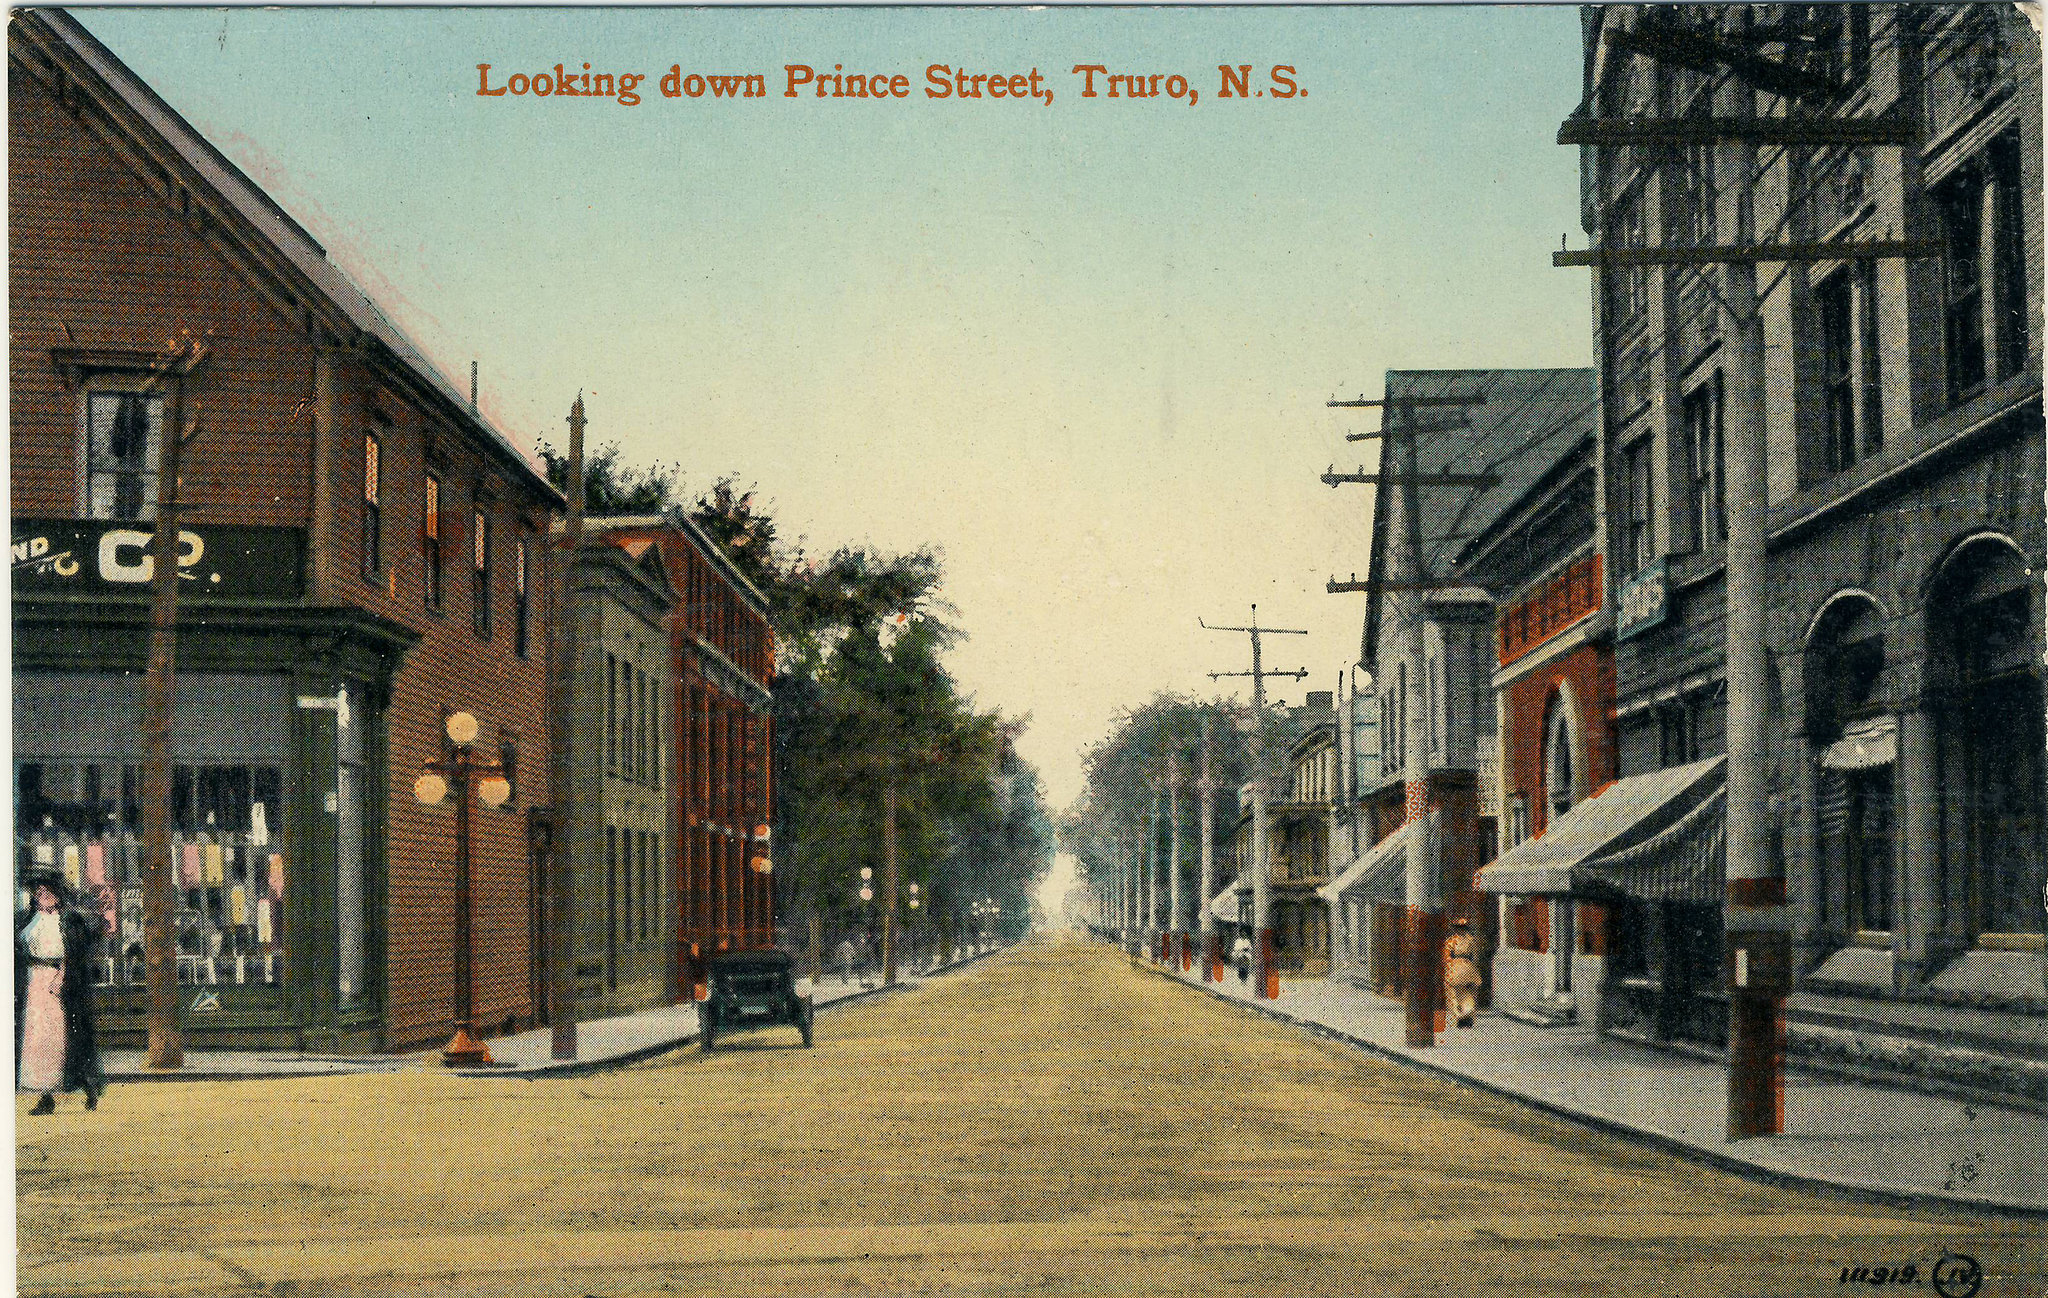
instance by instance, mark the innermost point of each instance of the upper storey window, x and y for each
(124, 447)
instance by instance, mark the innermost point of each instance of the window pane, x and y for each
(125, 445)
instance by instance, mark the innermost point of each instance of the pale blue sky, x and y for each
(1084, 347)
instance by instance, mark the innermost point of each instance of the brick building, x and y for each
(1554, 681)
(722, 651)
(364, 555)
(618, 834)
(1901, 405)
(1525, 424)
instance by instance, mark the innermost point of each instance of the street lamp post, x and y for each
(458, 767)
(910, 926)
(867, 896)
(764, 865)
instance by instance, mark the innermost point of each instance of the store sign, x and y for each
(1645, 601)
(81, 556)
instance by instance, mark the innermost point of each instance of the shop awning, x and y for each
(1868, 743)
(1625, 814)
(1224, 904)
(1687, 862)
(1378, 874)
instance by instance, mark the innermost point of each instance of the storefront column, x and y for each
(1921, 910)
(310, 900)
(1820, 926)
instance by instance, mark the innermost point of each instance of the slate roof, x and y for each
(1531, 419)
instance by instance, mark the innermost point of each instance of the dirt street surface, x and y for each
(1049, 1121)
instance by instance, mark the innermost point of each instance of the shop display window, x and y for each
(228, 865)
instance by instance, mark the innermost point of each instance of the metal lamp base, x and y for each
(464, 1050)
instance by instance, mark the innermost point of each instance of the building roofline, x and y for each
(265, 220)
(712, 551)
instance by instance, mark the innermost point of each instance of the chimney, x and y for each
(472, 387)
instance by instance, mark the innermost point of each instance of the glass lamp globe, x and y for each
(429, 789)
(461, 728)
(494, 790)
(867, 894)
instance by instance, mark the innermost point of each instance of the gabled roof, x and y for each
(641, 558)
(1530, 420)
(1488, 555)
(706, 544)
(262, 219)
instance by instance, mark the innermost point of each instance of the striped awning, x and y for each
(1874, 742)
(1687, 862)
(1627, 814)
(1381, 872)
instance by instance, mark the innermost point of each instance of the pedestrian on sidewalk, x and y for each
(845, 960)
(55, 1045)
(1461, 974)
(1241, 953)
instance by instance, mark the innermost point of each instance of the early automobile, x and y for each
(750, 989)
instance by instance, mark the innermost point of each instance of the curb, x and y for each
(1858, 1191)
(347, 1067)
(217, 1075)
(639, 1054)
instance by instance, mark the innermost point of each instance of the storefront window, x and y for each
(84, 818)
(78, 810)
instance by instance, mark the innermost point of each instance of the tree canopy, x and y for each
(863, 701)
(1125, 770)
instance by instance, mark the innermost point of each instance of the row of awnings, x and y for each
(1380, 873)
(1660, 836)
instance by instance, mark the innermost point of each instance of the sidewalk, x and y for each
(601, 1043)
(1877, 1143)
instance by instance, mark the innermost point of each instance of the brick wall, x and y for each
(1589, 670)
(98, 259)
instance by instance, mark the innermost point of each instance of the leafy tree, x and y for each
(1103, 828)
(746, 532)
(612, 487)
(862, 698)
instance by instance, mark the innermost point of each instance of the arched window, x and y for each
(1982, 629)
(1560, 771)
(1857, 745)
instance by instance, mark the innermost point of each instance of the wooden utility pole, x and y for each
(1424, 883)
(1757, 920)
(1266, 980)
(159, 693)
(561, 873)
(1212, 956)
(1423, 919)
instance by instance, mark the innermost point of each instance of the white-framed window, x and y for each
(1559, 770)
(124, 445)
